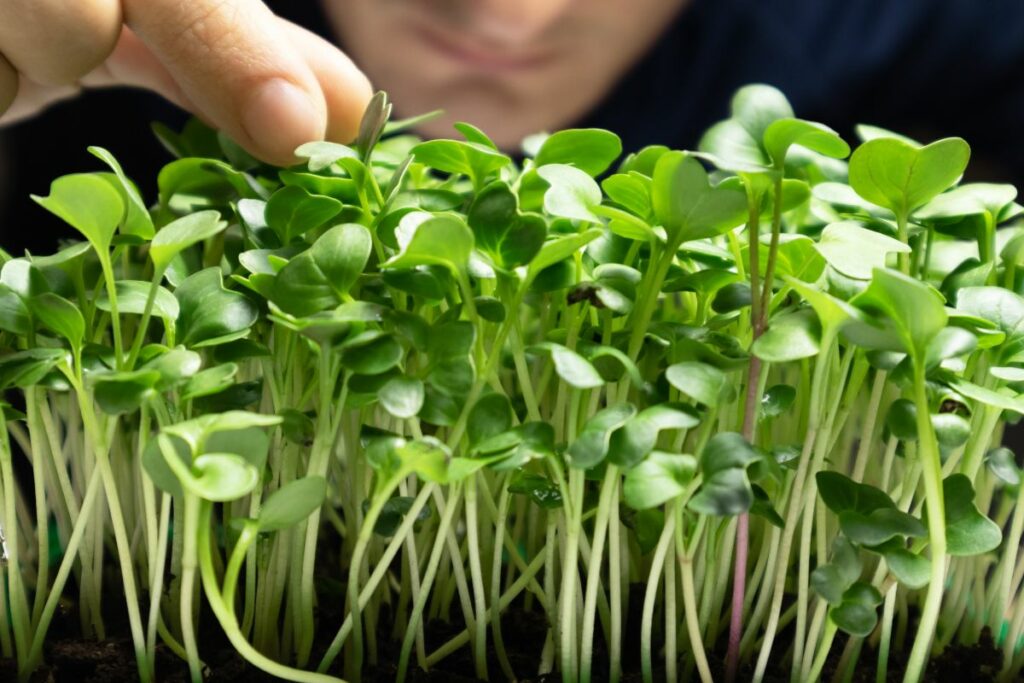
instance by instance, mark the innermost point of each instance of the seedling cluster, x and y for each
(409, 381)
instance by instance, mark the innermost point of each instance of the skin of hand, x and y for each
(511, 67)
(266, 82)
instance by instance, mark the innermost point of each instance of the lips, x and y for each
(479, 57)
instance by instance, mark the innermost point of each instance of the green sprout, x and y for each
(756, 387)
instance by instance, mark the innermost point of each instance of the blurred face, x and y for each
(511, 67)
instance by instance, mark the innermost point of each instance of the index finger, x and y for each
(238, 68)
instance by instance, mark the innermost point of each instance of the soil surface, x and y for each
(75, 660)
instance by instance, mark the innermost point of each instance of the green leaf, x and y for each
(902, 419)
(723, 494)
(657, 479)
(951, 430)
(371, 353)
(702, 382)
(757, 106)
(1003, 308)
(25, 368)
(732, 147)
(1007, 373)
(474, 134)
(123, 392)
(900, 177)
(572, 193)
(441, 240)
(251, 443)
(559, 249)
(209, 312)
(857, 614)
(833, 313)
(738, 141)
(509, 238)
(968, 532)
(726, 450)
(61, 316)
(221, 477)
(181, 234)
(592, 150)
(840, 493)
(1005, 399)
(723, 464)
(789, 337)
(210, 381)
(454, 156)
(491, 415)
(519, 445)
(427, 458)
(321, 154)
(914, 308)
(402, 397)
(292, 211)
(782, 133)
(968, 200)
(174, 366)
(393, 513)
(1003, 463)
(292, 503)
(910, 569)
(638, 437)
(14, 314)
(832, 580)
(540, 489)
(777, 400)
(879, 526)
(155, 464)
(591, 445)
(950, 342)
(321, 277)
(136, 220)
(198, 430)
(631, 191)
(868, 132)
(574, 369)
(132, 296)
(87, 203)
(371, 126)
(855, 251)
(686, 203)
(196, 183)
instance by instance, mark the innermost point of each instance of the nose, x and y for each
(515, 21)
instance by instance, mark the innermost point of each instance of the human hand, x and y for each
(267, 83)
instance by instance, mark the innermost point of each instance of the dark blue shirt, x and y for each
(928, 68)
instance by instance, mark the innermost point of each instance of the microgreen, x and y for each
(488, 386)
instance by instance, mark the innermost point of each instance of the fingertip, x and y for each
(346, 89)
(346, 106)
(278, 116)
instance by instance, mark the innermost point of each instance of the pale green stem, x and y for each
(651, 596)
(928, 452)
(66, 565)
(226, 615)
(428, 580)
(608, 490)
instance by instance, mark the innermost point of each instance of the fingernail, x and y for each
(279, 116)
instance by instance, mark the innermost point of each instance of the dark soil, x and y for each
(74, 660)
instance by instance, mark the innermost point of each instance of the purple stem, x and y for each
(739, 585)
